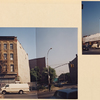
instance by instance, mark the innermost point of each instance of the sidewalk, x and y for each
(52, 89)
(34, 91)
(44, 90)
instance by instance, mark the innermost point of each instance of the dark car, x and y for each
(70, 93)
(84, 47)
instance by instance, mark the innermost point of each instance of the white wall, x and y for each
(23, 64)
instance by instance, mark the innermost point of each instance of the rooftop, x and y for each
(7, 37)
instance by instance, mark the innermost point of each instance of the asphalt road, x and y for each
(91, 51)
(21, 96)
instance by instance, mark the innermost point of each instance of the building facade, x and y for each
(14, 65)
(73, 67)
(38, 62)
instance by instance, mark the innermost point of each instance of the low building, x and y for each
(73, 67)
(14, 63)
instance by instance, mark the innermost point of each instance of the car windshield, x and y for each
(7, 86)
(60, 95)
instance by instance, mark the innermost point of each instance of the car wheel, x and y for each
(4, 92)
(20, 92)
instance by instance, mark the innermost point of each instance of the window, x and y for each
(12, 68)
(72, 65)
(7, 86)
(0, 55)
(0, 46)
(5, 68)
(5, 46)
(11, 56)
(5, 56)
(11, 46)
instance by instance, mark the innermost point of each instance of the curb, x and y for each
(1, 96)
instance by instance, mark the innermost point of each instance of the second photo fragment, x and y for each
(90, 27)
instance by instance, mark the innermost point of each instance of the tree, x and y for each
(68, 77)
(52, 74)
(35, 75)
(65, 77)
(45, 76)
(3, 65)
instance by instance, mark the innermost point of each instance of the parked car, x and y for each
(58, 85)
(84, 47)
(94, 45)
(46, 86)
(15, 88)
(70, 93)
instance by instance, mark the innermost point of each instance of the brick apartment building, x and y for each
(14, 64)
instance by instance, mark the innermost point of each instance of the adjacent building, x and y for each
(14, 63)
(73, 67)
(38, 62)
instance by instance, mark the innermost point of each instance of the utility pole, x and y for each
(48, 67)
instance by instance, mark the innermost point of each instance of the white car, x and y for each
(94, 45)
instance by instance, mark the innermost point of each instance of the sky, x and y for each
(63, 42)
(26, 36)
(37, 42)
(90, 17)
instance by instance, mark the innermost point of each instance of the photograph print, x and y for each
(90, 27)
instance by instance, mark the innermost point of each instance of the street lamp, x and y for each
(48, 67)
